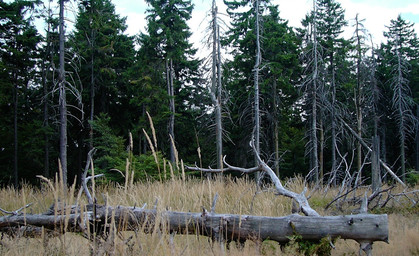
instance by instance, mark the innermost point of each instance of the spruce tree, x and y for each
(106, 55)
(18, 55)
(400, 52)
(278, 75)
(330, 19)
(170, 55)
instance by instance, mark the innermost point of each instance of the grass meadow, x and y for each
(238, 196)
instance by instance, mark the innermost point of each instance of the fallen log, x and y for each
(229, 227)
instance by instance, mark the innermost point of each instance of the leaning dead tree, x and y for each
(93, 220)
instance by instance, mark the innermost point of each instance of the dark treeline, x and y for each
(291, 88)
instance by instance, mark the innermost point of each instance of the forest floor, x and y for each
(235, 197)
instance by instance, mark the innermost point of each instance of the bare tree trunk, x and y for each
(333, 119)
(401, 116)
(170, 91)
(358, 93)
(375, 164)
(62, 99)
(314, 142)
(234, 227)
(219, 102)
(46, 114)
(383, 149)
(256, 84)
(216, 85)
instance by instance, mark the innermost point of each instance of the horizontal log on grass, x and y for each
(361, 227)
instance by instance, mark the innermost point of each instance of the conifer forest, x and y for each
(312, 102)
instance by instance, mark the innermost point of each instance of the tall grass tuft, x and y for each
(236, 196)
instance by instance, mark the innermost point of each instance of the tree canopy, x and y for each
(147, 100)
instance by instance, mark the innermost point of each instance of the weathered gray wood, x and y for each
(361, 227)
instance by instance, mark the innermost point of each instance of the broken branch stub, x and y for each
(301, 199)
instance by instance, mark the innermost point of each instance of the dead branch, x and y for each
(84, 179)
(229, 168)
(382, 163)
(16, 212)
(301, 199)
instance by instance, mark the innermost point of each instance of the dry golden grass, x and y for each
(236, 197)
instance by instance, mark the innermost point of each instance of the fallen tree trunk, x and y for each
(225, 227)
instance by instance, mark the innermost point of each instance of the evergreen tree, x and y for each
(168, 58)
(47, 64)
(312, 61)
(107, 54)
(400, 52)
(279, 48)
(18, 55)
(330, 19)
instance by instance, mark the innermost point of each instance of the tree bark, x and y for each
(313, 128)
(375, 164)
(401, 117)
(361, 227)
(358, 92)
(382, 163)
(256, 84)
(216, 85)
(62, 100)
(170, 91)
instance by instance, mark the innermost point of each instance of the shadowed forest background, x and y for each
(293, 89)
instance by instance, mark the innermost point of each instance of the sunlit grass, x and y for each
(238, 196)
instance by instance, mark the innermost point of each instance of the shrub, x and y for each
(412, 179)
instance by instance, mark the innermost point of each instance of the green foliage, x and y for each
(167, 41)
(125, 83)
(280, 53)
(113, 157)
(412, 179)
(320, 248)
(145, 167)
(18, 71)
(111, 151)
